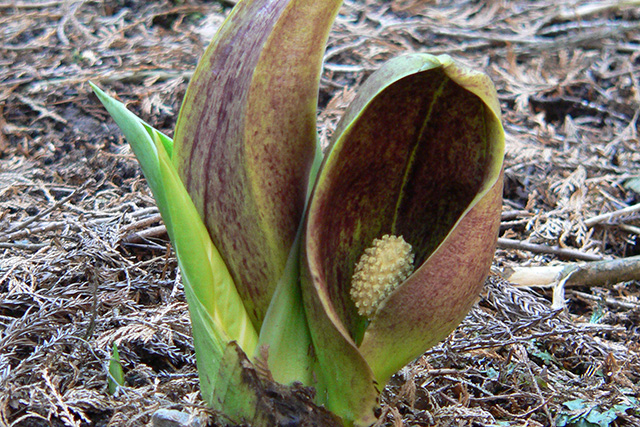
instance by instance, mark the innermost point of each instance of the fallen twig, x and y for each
(607, 300)
(25, 246)
(630, 228)
(585, 274)
(138, 225)
(582, 11)
(142, 236)
(55, 206)
(20, 234)
(607, 216)
(41, 109)
(30, 5)
(524, 357)
(545, 249)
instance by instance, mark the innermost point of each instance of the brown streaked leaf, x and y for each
(245, 138)
(410, 163)
(414, 154)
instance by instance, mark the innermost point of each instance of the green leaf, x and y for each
(633, 184)
(138, 134)
(217, 312)
(582, 414)
(542, 354)
(598, 313)
(116, 374)
(284, 331)
(602, 419)
(574, 405)
(246, 137)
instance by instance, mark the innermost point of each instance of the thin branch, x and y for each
(44, 112)
(524, 357)
(545, 249)
(598, 273)
(25, 246)
(138, 225)
(143, 236)
(582, 11)
(30, 5)
(55, 206)
(609, 215)
(630, 228)
(595, 273)
(20, 234)
(607, 300)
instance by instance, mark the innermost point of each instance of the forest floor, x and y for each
(83, 266)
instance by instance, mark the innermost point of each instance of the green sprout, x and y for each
(331, 270)
(116, 374)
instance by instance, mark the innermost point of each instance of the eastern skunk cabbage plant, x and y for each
(328, 271)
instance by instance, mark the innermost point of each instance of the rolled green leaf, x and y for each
(246, 138)
(418, 155)
(217, 312)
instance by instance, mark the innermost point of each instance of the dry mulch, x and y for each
(75, 278)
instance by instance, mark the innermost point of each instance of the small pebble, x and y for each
(173, 418)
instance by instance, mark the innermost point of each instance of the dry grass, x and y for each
(73, 280)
